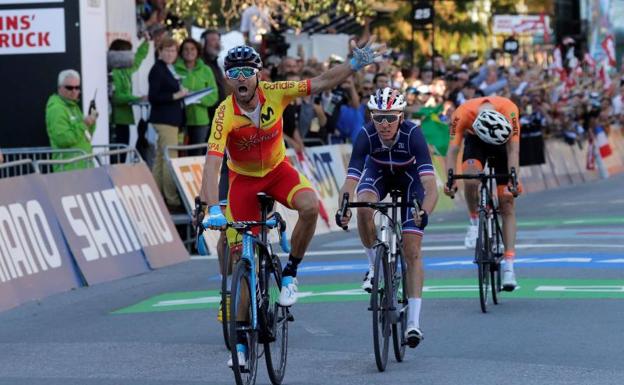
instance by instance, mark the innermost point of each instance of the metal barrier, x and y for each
(115, 153)
(17, 168)
(38, 153)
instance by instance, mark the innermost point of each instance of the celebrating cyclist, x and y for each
(248, 125)
(391, 153)
(489, 127)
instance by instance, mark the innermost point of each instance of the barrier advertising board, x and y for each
(147, 212)
(34, 259)
(96, 225)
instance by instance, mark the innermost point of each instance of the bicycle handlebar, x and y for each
(373, 205)
(276, 221)
(484, 177)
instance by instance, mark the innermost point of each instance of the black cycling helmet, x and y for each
(242, 56)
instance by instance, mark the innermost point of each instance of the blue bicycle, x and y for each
(256, 318)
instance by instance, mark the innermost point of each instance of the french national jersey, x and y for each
(408, 153)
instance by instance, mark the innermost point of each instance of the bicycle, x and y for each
(389, 293)
(489, 246)
(256, 285)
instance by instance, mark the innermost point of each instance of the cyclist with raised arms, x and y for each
(489, 127)
(248, 125)
(391, 153)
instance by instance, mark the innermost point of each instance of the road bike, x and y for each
(489, 246)
(388, 302)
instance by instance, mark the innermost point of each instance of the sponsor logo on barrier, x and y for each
(101, 220)
(27, 245)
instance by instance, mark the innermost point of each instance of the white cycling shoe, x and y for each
(413, 336)
(471, 236)
(288, 295)
(509, 280)
(241, 353)
(367, 284)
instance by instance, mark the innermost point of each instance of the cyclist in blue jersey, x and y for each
(391, 153)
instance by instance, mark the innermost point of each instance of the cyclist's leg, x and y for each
(293, 190)
(371, 188)
(473, 161)
(508, 214)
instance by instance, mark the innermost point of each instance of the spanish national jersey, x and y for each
(254, 151)
(464, 116)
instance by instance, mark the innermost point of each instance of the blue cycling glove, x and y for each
(215, 217)
(362, 57)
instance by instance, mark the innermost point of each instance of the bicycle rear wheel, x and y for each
(382, 284)
(277, 317)
(225, 293)
(483, 266)
(400, 290)
(240, 307)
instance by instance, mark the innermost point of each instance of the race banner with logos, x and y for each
(34, 259)
(147, 212)
(96, 225)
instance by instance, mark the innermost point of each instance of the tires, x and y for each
(277, 317)
(225, 293)
(379, 306)
(240, 308)
(398, 328)
(482, 259)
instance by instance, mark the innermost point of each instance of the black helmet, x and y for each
(242, 56)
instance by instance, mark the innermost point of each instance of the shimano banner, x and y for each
(34, 259)
(146, 208)
(96, 225)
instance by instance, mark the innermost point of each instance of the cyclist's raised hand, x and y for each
(216, 220)
(365, 55)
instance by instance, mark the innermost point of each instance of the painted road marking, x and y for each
(444, 248)
(434, 289)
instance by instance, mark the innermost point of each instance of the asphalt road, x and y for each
(564, 325)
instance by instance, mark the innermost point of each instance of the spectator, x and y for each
(211, 49)
(123, 64)
(312, 118)
(67, 127)
(291, 121)
(255, 22)
(1, 158)
(196, 76)
(350, 119)
(287, 67)
(167, 115)
(381, 81)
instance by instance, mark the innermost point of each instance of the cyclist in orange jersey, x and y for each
(488, 126)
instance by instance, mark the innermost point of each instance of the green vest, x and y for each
(122, 88)
(195, 79)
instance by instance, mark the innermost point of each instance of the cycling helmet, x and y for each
(492, 127)
(386, 99)
(242, 56)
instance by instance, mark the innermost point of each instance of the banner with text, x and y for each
(147, 211)
(32, 31)
(34, 259)
(96, 225)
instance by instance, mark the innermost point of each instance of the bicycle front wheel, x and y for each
(400, 290)
(277, 317)
(225, 297)
(240, 324)
(382, 284)
(483, 266)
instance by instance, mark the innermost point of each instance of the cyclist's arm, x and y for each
(456, 133)
(209, 192)
(431, 193)
(513, 155)
(331, 78)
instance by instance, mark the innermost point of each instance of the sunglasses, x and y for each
(72, 88)
(379, 118)
(247, 72)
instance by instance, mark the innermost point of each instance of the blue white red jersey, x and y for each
(408, 153)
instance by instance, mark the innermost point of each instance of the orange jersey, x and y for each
(254, 151)
(464, 116)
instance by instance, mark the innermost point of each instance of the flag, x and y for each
(602, 142)
(608, 45)
(603, 74)
(589, 60)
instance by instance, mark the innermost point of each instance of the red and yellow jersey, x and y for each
(254, 151)
(464, 116)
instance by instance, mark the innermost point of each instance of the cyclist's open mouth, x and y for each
(242, 90)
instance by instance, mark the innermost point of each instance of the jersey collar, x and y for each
(236, 108)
